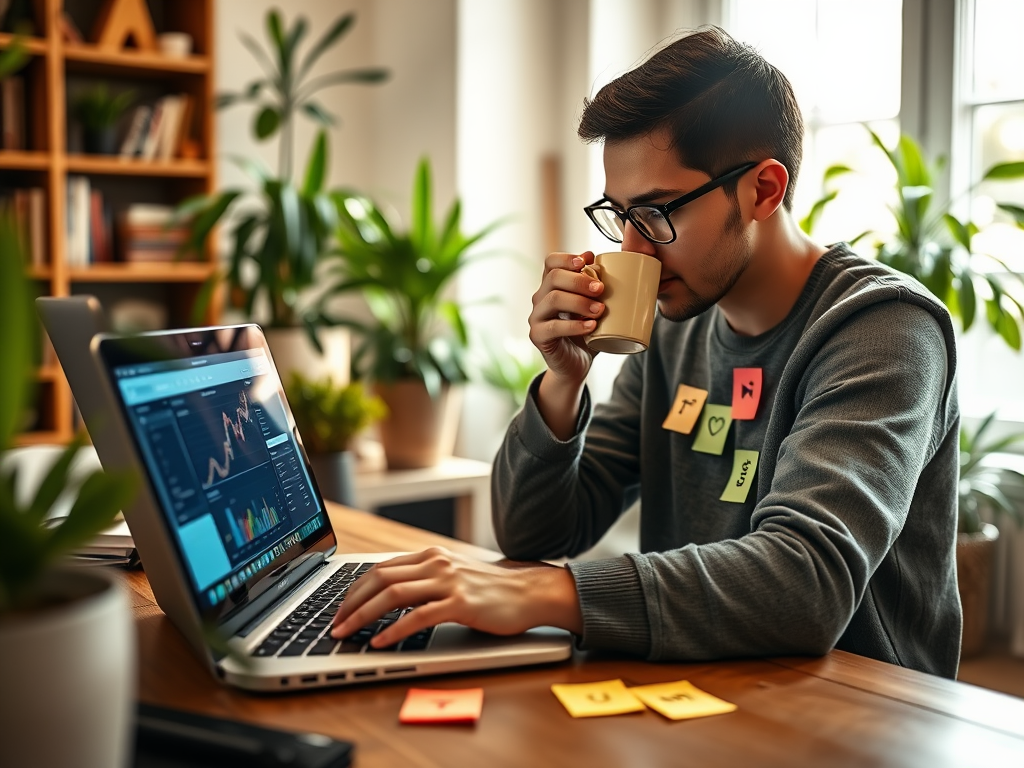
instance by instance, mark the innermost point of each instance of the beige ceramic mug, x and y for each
(630, 300)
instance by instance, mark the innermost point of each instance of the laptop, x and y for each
(229, 524)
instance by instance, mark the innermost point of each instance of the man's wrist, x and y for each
(553, 590)
(558, 401)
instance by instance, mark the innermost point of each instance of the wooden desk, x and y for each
(839, 710)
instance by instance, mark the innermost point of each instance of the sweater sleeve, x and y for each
(845, 477)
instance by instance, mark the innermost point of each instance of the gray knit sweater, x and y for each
(847, 538)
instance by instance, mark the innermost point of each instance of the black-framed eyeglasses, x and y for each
(652, 221)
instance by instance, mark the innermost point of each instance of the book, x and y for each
(137, 131)
(12, 105)
(152, 137)
(78, 216)
(37, 226)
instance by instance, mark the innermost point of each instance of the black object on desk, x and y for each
(172, 738)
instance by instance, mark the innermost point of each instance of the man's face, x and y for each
(711, 249)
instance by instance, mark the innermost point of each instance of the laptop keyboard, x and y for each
(307, 630)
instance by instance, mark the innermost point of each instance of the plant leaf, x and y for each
(968, 300)
(1013, 170)
(316, 168)
(319, 114)
(961, 233)
(100, 497)
(16, 319)
(1016, 211)
(54, 483)
(329, 38)
(267, 122)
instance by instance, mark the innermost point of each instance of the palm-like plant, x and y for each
(934, 245)
(283, 236)
(419, 333)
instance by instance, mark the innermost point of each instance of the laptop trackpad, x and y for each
(457, 638)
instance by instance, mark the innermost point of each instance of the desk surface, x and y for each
(838, 710)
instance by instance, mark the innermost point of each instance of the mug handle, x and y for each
(592, 270)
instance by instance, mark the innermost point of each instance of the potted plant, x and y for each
(511, 370)
(414, 349)
(66, 634)
(935, 246)
(329, 416)
(282, 231)
(98, 110)
(983, 492)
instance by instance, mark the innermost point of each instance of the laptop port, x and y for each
(364, 673)
(284, 682)
(335, 676)
(308, 679)
(399, 670)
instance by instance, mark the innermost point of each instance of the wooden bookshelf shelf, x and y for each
(142, 272)
(116, 166)
(86, 196)
(87, 58)
(24, 161)
(33, 45)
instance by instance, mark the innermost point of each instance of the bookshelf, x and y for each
(57, 66)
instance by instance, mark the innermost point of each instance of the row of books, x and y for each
(141, 232)
(29, 208)
(157, 131)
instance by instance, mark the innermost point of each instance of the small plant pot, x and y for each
(974, 555)
(101, 141)
(419, 429)
(67, 675)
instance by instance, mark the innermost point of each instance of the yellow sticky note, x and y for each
(744, 465)
(610, 697)
(423, 705)
(681, 700)
(714, 428)
(685, 409)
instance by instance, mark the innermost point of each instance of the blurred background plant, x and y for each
(329, 415)
(984, 486)
(936, 246)
(279, 234)
(510, 369)
(98, 109)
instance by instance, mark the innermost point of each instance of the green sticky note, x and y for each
(744, 465)
(714, 427)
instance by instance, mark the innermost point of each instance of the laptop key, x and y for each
(347, 646)
(296, 647)
(323, 647)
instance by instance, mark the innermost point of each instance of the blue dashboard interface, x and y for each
(217, 444)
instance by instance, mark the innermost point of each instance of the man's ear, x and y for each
(770, 182)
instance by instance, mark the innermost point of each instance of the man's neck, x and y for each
(782, 260)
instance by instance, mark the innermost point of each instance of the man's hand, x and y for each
(565, 308)
(503, 599)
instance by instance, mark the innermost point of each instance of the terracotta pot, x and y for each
(419, 429)
(335, 476)
(68, 673)
(974, 554)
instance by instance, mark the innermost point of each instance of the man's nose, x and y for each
(632, 240)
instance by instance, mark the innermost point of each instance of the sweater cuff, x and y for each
(536, 437)
(612, 603)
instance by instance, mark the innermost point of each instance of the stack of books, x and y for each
(149, 233)
(156, 132)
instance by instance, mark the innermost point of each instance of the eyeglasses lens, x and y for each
(609, 223)
(652, 223)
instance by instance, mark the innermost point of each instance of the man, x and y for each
(825, 519)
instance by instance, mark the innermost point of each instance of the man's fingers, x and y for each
(427, 615)
(395, 596)
(574, 262)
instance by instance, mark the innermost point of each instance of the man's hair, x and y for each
(720, 101)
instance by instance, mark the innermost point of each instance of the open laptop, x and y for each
(230, 525)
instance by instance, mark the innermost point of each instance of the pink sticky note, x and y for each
(423, 705)
(746, 393)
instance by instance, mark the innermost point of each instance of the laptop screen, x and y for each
(213, 431)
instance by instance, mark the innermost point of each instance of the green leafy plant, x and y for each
(982, 485)
(99, 108)
(283, 230)
(13, 57)
(328, 415)
(28, 547)
(418, 333)
(510, 371)
(935, 246)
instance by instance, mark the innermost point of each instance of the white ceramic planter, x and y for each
(67, 676)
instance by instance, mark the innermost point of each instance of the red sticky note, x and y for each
(423, 705)
(746, 393)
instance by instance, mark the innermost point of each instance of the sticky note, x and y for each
(714, 428)
(681, 700)
(746, 393)
(610, 697)
(685, 409)
(744, 465)
(423, 705)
